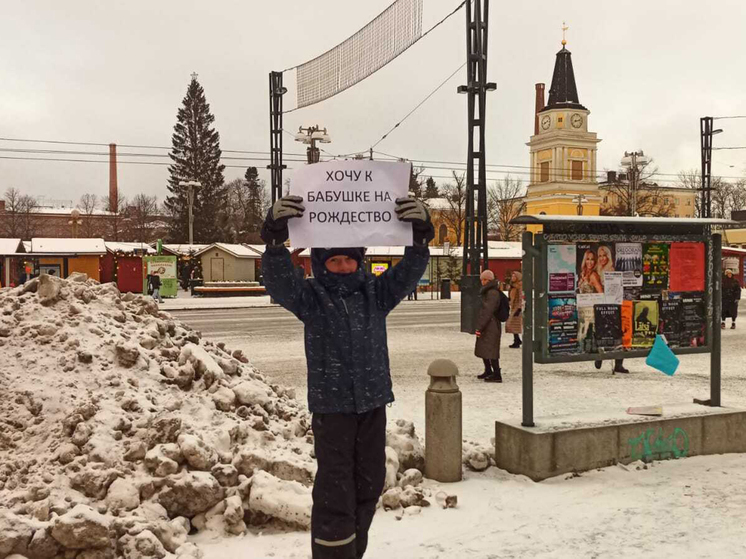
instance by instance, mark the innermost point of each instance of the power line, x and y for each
(727, 117)
(433, 92)
(129, 146)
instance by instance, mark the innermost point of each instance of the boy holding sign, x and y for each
(344, 311)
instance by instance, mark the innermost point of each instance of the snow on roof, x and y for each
(66, 211)
(184, 249)
(239, 251)
(504, 249)
(129, 247)
(68, 246)
(27, 246)
(9, 246)
(539, 219)
(260, 248)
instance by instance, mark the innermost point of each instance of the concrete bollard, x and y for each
(443, 423)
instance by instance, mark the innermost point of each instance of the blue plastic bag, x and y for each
(661, 357)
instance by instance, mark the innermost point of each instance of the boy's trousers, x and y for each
(351, 456)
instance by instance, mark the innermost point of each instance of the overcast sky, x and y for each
(93, 71)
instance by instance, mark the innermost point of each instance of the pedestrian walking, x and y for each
(514, 325)
(344, 311)
(412, 295)
(489, 330)
(730, 295)
(618, 366)
(155, 280)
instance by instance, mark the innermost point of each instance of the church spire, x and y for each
(564, 92)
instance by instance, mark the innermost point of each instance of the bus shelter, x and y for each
(600, 288)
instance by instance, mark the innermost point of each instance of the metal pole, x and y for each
(190, 199)
(528, 331)
(633, 182)
(705, 139)
(276, 91)
(717, 274)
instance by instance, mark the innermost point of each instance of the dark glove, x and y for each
(413, 211)
(275, 228)
(518, 313)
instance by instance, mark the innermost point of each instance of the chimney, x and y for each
(113, 189)
(611, 176)
(539, 105)
(2, 206)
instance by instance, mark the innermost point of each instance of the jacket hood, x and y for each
(486, 287)
(342, 283)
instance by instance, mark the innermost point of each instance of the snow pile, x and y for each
(122, 431)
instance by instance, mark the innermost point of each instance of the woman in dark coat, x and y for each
(731, 294)
(488, 331)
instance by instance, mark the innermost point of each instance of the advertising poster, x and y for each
(586, 335)
(655, 266)
(692, 320)
(165, 267)
(563, 325)
(613, 289)
(377, 268)
(586, 260)
(627, 316)
(670, 321)
(608, 325)
(561, 262)
(687, 267)
(645, 324)
(629, 261)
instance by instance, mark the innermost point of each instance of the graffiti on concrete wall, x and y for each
(654, 445)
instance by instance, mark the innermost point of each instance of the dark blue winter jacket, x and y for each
(345, 327)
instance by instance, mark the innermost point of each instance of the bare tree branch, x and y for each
(505, 202)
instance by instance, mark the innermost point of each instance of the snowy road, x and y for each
(425, 330)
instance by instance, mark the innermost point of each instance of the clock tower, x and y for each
(563, 151)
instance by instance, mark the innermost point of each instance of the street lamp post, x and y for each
(190, 186)
(632, 159)
(75, 221)
(705, 138)
(580, 199)
(310, 136)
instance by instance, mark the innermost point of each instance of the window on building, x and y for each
(442, 233)
(544, 172)
(677, 201)
(606, 199)
(577, 170)
(688, 202)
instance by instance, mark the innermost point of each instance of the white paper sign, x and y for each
(350, 204)
(613, 290)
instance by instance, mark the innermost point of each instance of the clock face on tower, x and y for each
(576, 120)
(546, 121)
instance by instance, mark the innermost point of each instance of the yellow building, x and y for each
(563, 150)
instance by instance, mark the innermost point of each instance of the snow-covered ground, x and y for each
(685, 508)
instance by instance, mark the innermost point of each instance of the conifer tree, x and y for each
(196, 157)
(431, 189)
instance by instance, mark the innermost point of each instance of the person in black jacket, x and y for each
(344, 309)
(155, 281)
(731, 294)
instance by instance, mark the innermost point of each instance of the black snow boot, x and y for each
(494, 377)
(516, 341)
(487, 370)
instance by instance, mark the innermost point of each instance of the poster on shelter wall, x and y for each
(645, 323)
(561, 268)
(608, 324)
(687, 267)
(693, 319)
(593, 260)
(613, 288)
(350, 203)
(563, 325)
(629, 261)
(669, 323)
(655, 266)
(627, 318)
(586, 330)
